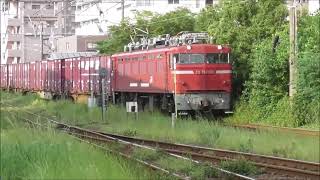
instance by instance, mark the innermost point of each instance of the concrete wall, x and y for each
(32, 48)
(84, 40)
(77, 43)
(66, 44)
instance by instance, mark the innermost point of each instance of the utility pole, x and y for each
(122, 9)
(103, 96)
(65, 3)
(41, 41)
(1, 11)
(293, 48)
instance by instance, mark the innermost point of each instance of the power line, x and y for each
(31, 34)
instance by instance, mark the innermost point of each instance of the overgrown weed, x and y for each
(240, 166)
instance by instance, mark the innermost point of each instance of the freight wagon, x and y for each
(182, 74)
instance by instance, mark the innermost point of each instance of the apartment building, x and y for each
(93, 17)
(29, 26)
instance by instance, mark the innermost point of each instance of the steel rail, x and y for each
(151, 166)
(282, 165)
(298, 131)
(93, 135)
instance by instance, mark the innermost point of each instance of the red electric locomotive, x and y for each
(182, 74)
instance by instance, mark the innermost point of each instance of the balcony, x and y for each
(39, 13)
(14, 37)
(14, 52)
(14, 22)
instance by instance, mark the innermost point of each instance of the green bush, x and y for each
(266, 93)
(307, 100)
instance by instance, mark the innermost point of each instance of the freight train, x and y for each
(183, 74)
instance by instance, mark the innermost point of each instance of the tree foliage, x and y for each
(258, 33)
(307, 100)
(118, 37)
(268, 80)
(242, 24)
(170, 23)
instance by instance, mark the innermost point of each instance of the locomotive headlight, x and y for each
(219, 47)
(188, 47)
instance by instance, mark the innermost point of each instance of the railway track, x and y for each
(148, 165)
(105, 138)
(92, 137)
(298, 131)
(274, 165)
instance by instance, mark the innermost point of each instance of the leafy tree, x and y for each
(307, 99)
(268, 80)
(258, 33)
(309, 33)
(205, 18)
(170, 23)
(118, 37)
(242, 24)
(173, 22)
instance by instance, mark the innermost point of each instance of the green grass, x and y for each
(240, 166)
(280, 114)
(200, 132)
(177, 165)
(29, 154)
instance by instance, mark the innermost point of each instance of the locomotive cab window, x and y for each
(221, 58)
(212, 58)
(191, 58)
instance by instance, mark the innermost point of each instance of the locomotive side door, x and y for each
(170, 67)
(167, 70)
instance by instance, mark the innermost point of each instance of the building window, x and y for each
(209, 2)
(143, 2)
(91, 45)
(17, 30)
(51, 23)
(35, 6)
(67, 45)
(16, 45)
(50, 6)
(173, 1)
